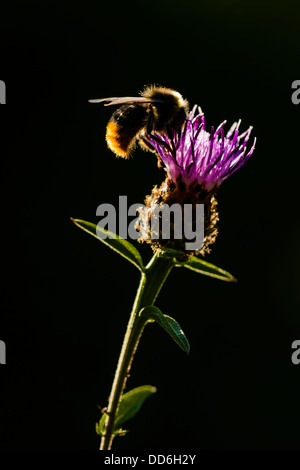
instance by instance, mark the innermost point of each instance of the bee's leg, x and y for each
(150, 122)
(171, 137)
(143, 141)
(146, 144)
(149, 129)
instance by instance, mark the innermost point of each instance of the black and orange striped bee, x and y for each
(158, 109)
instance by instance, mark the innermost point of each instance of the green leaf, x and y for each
(203, 267)
(169, 324)
(130, 404)
(97, 427)
(116, 243)
(101, 426)
(170, 253)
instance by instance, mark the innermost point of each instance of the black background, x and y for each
(66, 298)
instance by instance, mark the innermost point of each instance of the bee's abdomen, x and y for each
(123, 128)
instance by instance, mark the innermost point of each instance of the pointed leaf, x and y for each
(116, 243)
(169, 324)
(170, 253)
(130, 404)
(100, 427)
(208, 269)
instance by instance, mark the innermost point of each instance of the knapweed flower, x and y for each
(196, 162)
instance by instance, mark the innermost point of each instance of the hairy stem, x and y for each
(151, 282)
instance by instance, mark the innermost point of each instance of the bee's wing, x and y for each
(125, 100)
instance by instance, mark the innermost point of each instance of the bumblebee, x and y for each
(158, 109)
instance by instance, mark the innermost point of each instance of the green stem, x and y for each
(152, 280)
